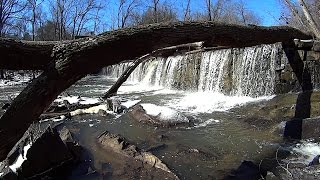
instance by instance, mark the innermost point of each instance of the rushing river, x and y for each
(227, 94)
(222, 140)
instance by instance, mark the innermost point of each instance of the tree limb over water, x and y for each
(64, 63)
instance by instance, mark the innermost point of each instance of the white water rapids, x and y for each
(207, 81)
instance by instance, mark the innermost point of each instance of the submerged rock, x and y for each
(157, 115)
(247, 171)
(144, 163)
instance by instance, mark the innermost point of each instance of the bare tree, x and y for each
(155, 5)
(187, 12)
(214, 10)
(295, 13)
(125, 11)
(81, 13)
(156, 12)
(9, 9)
(245, 15)
(208, 3)
(311, 23)
(34, 5)
(306, 13)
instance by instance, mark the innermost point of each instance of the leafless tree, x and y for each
(234, 12)
(208, 3)
(155, 7)
(164, 14)
(214, 10)
(304, 15)
(125, 11)
(245, 15)
(9, 10)
(34, 6)
(187, 12)
(297, 17)
(155, 12)
(82, 12)
(310, 21)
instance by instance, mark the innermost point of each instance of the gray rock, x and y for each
(130, 153)
(139, 114)
(47, 155)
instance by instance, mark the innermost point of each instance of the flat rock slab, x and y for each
(130, 162)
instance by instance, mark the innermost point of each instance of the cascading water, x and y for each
(246, 71)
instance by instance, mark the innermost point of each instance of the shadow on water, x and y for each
(293, 128)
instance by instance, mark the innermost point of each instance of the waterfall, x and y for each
(246, 71)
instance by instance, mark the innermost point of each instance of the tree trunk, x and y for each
(119, 44)
(67, 62)
(295, 12)
(312, 24)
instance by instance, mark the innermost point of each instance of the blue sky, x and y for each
(268, 10)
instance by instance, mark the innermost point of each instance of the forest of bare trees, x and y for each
(49, 20)
(67, 19)
(302, 14)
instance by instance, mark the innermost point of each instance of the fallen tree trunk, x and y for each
(160, 52)
(69, 62)
(131, 43)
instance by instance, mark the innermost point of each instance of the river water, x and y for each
(218, 91)
(211, 147)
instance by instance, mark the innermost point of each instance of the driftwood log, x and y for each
(64, 63)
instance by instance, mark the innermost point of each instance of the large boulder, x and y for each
(39, 153)
(135, 161)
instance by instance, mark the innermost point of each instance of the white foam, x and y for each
(55, 119)
(208, 102)
(207, 122)
(91, 110)
(307, 150)
(166, 91)
(164, 113)
(87, 100)
(136, 88)
(1, 174)
(17, 80)
(129, 104)
(21, 158)
(70, 99)
(76, 100)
